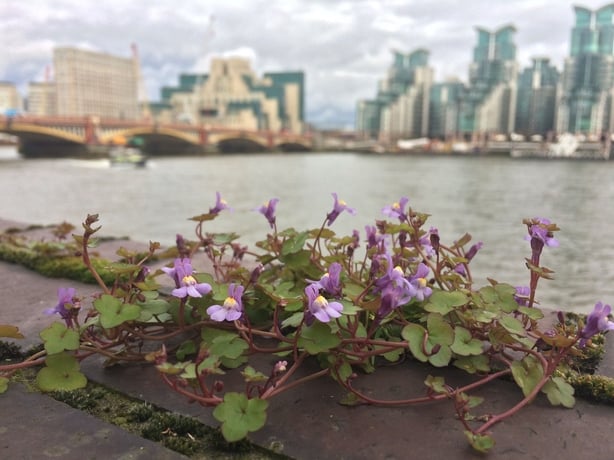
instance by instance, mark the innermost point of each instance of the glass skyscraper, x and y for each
(585, 103)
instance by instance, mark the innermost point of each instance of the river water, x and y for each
(486, 197)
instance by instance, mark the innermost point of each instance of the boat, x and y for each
(568, 146)
(127, 152)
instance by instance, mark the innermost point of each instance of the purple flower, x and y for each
(397, 209)
(394, 282)
(338, 207)
(522, 295)
(373, 237)
(66, 303)
(322, 309)
(331, 281)
(473, 250)
(220, 204)
(596, 322)
(187, 285)
(420, 284)
(430, 242)
(232, 309)
(268, 210)
(541, 229)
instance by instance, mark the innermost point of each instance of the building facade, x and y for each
(489, 103)
(232, 96)
(402, 104)
(585, 101)
(537, 95)
(10, 99)
(42, 99)
(89, 83)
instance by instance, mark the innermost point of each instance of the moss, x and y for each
(180, 433)
(10, 352)
(596, 388)
(53, 262)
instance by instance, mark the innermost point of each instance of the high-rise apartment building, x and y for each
(401, 108)
(232, 95)
(444, 105)
(536, 103)
(489, 104)
(585, 102)
(96, 84)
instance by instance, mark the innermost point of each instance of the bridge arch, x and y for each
(239, 141)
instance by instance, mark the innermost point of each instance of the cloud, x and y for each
(344, 47)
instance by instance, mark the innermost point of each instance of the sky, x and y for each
(343, 46)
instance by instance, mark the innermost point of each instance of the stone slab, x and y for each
(34, 426)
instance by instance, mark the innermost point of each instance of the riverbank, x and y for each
(305, 423)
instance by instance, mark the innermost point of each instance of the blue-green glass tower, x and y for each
(588, 75)
(535, 107)
(491, 90)
(401, 76)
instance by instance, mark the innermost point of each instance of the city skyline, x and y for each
(344, 47)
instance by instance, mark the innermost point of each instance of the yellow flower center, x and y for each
(189, 279)
(230, 303)
(342, 203)
(396, 205)
(422, 282)
(320, 302)
(398, 269)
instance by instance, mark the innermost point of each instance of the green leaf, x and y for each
(473, 364)
(512, 325)
(440, 331)
(440, 334)
(114, 312)
(437, 384)
(559, 392)
(527, 373)
(294, 244)
(318, 338)
(444, 302)
(414, 334)
(499, 297)
(533, 313)
(228, 346)
(252, 375)
(297, 260)
(240, 415)
(58, 337)
(60, 373)
(480, 442)
(464, 344)
(293, 320)
(185, 349)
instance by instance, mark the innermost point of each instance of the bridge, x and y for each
(92, 136)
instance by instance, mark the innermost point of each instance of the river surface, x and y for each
(486, 197)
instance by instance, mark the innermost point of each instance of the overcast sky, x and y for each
(344, 47)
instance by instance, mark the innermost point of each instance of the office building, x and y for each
(232, 96)
(89, 83)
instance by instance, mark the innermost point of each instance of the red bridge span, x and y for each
(93, 136)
